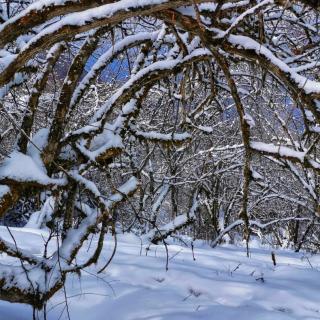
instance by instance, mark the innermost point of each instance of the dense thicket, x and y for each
(157, 117)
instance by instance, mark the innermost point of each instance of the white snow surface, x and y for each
(222, 283)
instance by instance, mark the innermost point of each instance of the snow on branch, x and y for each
(283, 152)
(20, 168)
(75, 237)
(106, 58)
(158, 234)
(175, 138)
(309, 86)
(253, 223)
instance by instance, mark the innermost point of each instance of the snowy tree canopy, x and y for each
(115, 109)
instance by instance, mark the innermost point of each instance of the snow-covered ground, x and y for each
(222, 283)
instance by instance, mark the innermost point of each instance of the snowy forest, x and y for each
(159, 159)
